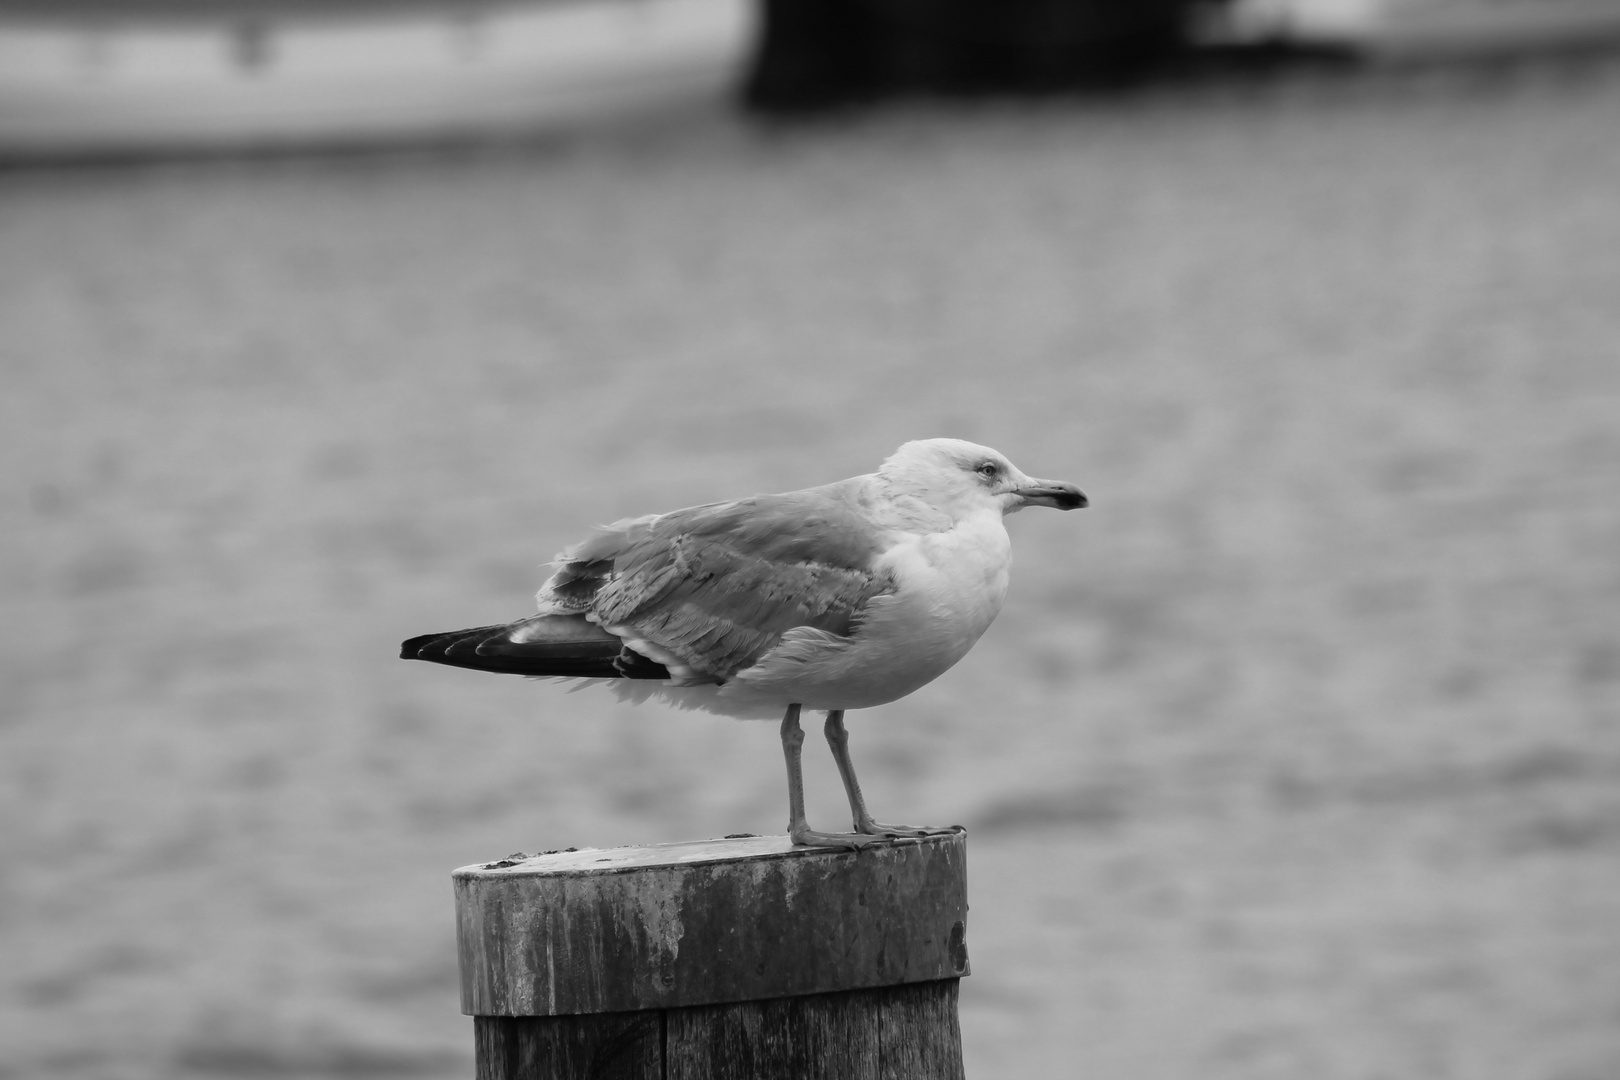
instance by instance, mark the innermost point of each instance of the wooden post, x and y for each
(717, 960)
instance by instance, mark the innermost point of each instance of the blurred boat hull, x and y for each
(235, 83)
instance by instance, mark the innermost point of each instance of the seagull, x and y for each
(844, 596)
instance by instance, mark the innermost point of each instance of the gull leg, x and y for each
(798, 828)
(838, 739)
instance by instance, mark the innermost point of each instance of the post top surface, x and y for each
(638, 856)
(737, 919)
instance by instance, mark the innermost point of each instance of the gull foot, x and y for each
(847, 841)
(877, 828)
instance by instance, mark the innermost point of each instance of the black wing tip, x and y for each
(487, 648)
(436, 646)
(411, 649)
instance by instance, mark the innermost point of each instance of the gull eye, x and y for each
(989, 470)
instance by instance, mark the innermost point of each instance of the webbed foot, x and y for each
(878, 828)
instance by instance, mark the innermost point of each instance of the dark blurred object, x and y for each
(817, 53)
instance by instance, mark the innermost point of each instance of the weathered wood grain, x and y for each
(816, 1036)
(920, 1035)
(628, 929)
(883, 1033)
(607, 1046)
(886, 1033)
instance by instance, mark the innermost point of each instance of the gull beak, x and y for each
(1054, 493)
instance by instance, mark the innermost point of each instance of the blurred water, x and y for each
(1294, 755)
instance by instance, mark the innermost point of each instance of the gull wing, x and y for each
(711, 589)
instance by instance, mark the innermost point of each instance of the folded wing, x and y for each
(697, 594)
(709, 590)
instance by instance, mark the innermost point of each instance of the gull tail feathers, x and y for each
(565, 646)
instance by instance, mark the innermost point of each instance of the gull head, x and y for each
(960, 478)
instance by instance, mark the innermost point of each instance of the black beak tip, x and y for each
(1058, 495)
